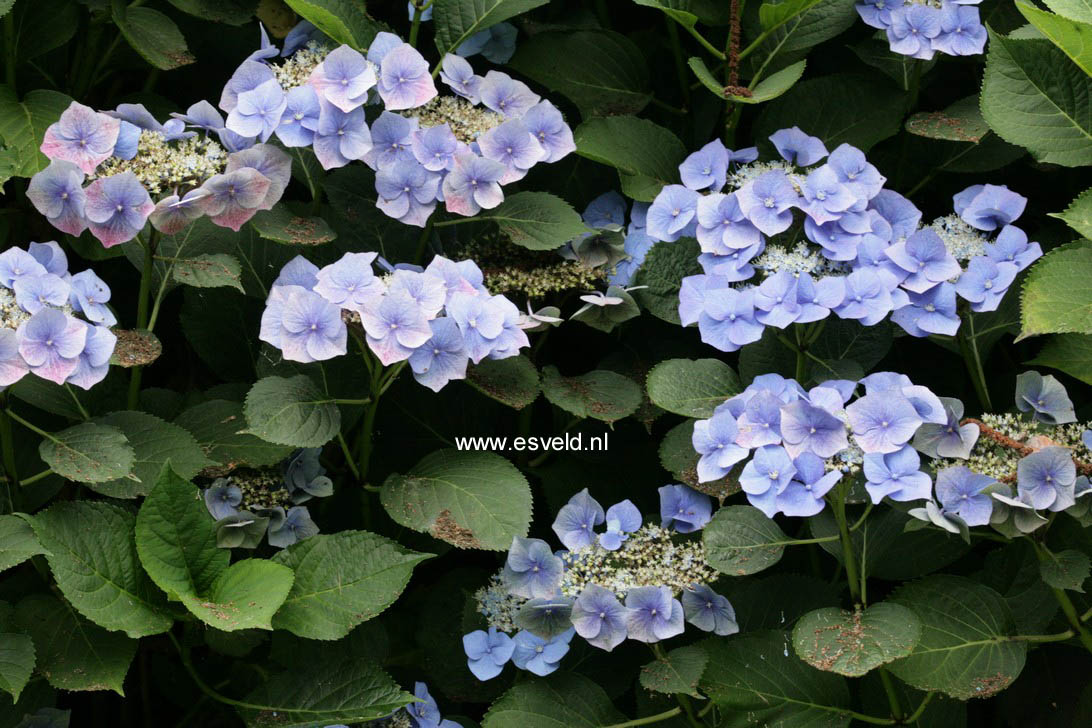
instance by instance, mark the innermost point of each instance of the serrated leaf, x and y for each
(1065, 569)
(72, 653)
(469, 499)
(692, 387)
(741, 540)
(457, 20)
(1079, 10)
(346, 21)
(600, 394)
(772, 15)
(814, 23)
(876, 52)
(1069, 353)
(93, 558)
(210, 270)
(318, 693)
(17, 542)
(16, 662)
(232, 12)
(246, 595)
(1057, 294)
(666, 264)
(41, 27)
(154, 442)
(646, 156)
(960, 122)
(153, 35)
(853, 643)
(283, 226)
(23, 125)
(218, 426)
(601, 71)
(755, 678)
(88, 453)
(1079, 214)
(562, 699)
(342, 580)
(962, 651)
(134, 348)
(1032, 95)
(678, 671)
(1073, 37)
(536, 220)
(513, 381)
(291, 411)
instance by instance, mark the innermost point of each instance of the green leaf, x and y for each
(469, 499)
(1057, 295)
(562, 699)
(342, 580)
(232, 12)
(291, 411)
(771, 15)
(16, 662)
(666, 264)
(1065, 569)
(605, 318)
(602, 72)
(41, 27)
(457, 20)
(210, 270)
(853, 643)
(219, 428)
(1069, 353)
(246, 595)
(321, 692)
(767, 89)
(646, 156)
(1079, 10)
(692, 388)
(74, 654)
(677, 454)
(88, 453)
(346, 21)
(94, 561)
(1079, 214)
(677, 672)
(512, 381)
(756, 681)
(23, 125)
(960, 122)
(1073, 37)
(536, 220)
(153, 35)
(689, 12)
(815, 23)
(1032, 95)
(741, 540)
(600, 394)
(876, 52)
(962, 651)
(843, 340)
(154, 442)
(17, 542)
(283, 226)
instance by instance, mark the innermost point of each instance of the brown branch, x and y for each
(1004, 440)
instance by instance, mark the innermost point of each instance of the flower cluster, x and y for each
(920, 28)
(52, 323)
(863, 255)
(400, 314)
(632, 580)
(249, 504)
(128, 158)
(424, 148)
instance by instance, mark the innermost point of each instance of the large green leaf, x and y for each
(1032, 95)
(469, 499)
(562, 699)
(154, 442)
(291, 411)
(210, 270)
(1079, 10)
(74, 654)
(17, 542)
(803, 24)
(601, 71)
(741, 540)
(600, 394)
(283, 226)
(246, 595)
(646, 156)
(536, 220)
(757, 681)
(1066, 569)
(153, 35)
(41, 27)
(963, 651)
(457, 20)
(346, 21)
(23, 124)
(960, 122)
(94, 560)
(16, 662)
(513, 381)
(691, 388)
(1079, 214)
(1057, 296)
(342, 579)
(321, 692)
(1069, 353)
(1073, 37)
(219, 428)
(853, 643)
(232, 12)
(666, 264)
(89, 453)
(676, 672)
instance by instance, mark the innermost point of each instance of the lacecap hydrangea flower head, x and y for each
(425, 148)
(618, 578)
(438, 319)
(137, 169)
(858, 253)
(921, 28)
(53, 324)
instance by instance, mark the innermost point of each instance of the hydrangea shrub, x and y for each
(540, 363)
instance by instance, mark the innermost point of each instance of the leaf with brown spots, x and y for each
(678, 671)
(853, 643)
